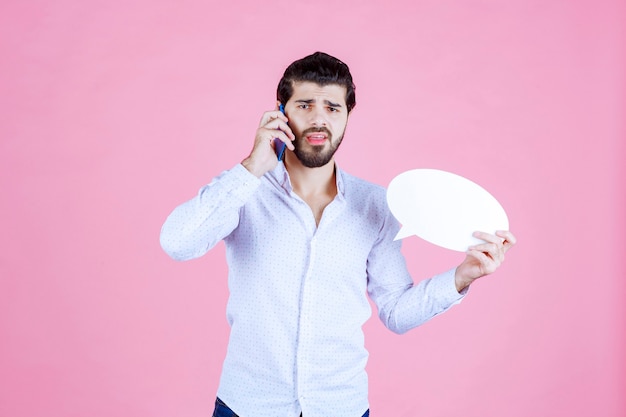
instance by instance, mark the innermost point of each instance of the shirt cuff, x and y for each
(446, 287)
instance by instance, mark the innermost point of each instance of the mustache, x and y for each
(321, 129)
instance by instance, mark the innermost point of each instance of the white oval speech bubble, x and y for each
(443, 208)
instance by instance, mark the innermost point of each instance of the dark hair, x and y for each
(321, 69)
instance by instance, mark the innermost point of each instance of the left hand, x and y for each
(484, 258)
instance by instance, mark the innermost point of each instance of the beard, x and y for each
(315, 156)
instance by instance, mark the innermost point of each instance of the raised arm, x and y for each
(197, 225)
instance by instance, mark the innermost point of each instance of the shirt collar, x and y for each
(280, 177)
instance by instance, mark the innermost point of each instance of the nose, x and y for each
(318, 118)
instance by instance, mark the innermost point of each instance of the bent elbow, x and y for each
(397, 330)
(392, 324)
(174, 246)
(169, 247)
(399, 324)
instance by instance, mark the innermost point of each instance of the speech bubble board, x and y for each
(443, 208)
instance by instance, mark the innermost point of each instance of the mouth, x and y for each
(317, 138)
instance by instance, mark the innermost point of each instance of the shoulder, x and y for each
(363, 189)
(366, 198)
(368, 201)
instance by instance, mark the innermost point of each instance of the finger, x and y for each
(509, 239)
(278, 124)
(268, 116)
(274, 114)
(487, 237)
(288, 141)
(495, 239)
(487, 264)
(492, 250)
(271, 134)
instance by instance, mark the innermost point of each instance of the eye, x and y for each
(333, 109)
(303, 106)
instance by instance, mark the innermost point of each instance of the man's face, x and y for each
(317, 116)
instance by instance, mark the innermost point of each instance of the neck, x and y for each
(311, 181)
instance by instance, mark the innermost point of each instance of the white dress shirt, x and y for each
(298, 291)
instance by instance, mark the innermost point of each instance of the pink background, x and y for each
(113, 112)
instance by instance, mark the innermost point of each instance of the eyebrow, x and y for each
(327, 102)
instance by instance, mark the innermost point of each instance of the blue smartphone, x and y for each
(279, 145)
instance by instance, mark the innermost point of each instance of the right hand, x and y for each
(263, 158)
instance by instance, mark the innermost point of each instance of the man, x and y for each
(305, 242)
